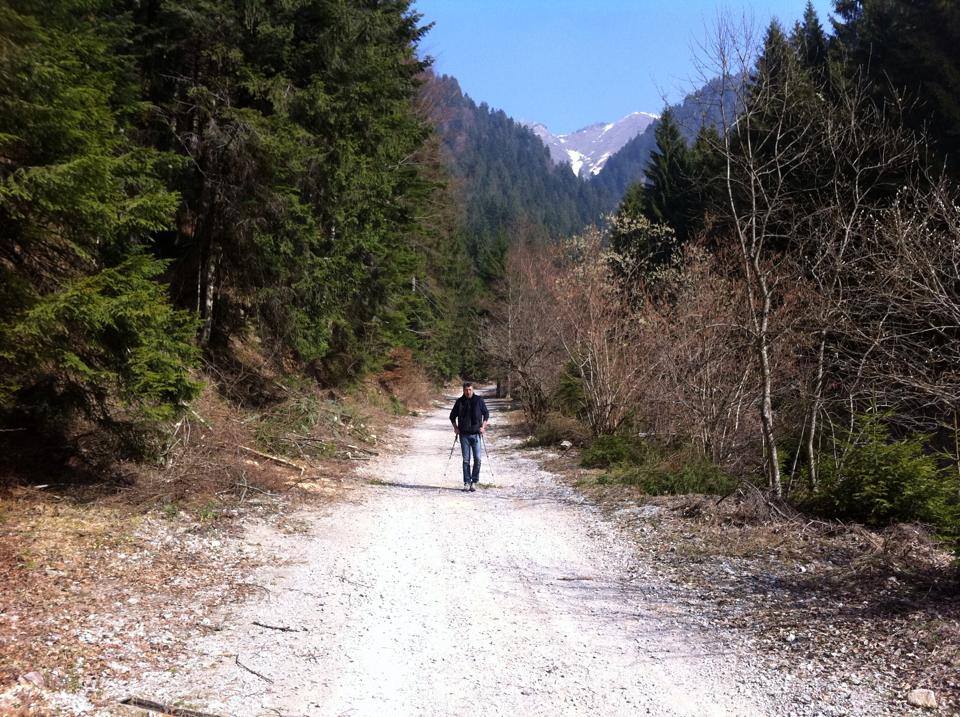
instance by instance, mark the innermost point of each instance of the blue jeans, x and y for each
(470, 443)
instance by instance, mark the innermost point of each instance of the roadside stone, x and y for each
(32, 678)
(565, 445)
(922, 698)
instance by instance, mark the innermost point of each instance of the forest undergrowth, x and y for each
(97, 568)
(871, 607)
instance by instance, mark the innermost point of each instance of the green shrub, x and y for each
(108, 346)
(606, 451)
(879, 481)
(694, 475)
(397, 407)
(555, 428)
(569, 397)
(654, 469)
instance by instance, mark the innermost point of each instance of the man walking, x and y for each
(469, 418)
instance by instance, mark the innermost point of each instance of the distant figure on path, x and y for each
(469, 418)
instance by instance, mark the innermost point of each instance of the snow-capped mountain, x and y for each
(588, 149)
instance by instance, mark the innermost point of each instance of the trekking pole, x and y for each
(447, 467)
(486, 454)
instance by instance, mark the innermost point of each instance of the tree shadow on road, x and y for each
(415, 486)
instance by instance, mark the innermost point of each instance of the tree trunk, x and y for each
(210, 266)
(815, 413)
(766, 409)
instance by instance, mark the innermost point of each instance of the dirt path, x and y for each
(417, 598)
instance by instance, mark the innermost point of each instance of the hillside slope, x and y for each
(509, 182)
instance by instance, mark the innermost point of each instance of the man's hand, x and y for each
(456, 431)
(483, 428)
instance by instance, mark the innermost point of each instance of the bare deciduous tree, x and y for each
(699, 384)
(901, 311)
(598, 331)
(521, 336)
(767, 150)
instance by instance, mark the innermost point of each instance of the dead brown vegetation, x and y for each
(90, 569)
(520, 337)
(879, 607)
(404, 380)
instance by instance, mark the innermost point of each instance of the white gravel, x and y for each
(412, 597)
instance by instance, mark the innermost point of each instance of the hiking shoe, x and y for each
(467, 486)
(473, 487)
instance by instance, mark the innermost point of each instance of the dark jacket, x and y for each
(468, 414)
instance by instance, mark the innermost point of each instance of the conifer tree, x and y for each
(669, 192)
(708, 163)
(909, 50)
(810, 42)
(85, 329)
(777, 61)
(301, 197)
(264, 162)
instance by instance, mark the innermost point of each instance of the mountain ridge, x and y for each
(507, 181)
(587, 149)
(703, 106)
(510, 181)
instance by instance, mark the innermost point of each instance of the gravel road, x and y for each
(413, 597)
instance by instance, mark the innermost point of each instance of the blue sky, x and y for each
(569, 63)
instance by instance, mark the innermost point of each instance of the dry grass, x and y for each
(113, 575)
(553, 429)
(84, 584)
(404, 381)
(22, 701)
(203, 461)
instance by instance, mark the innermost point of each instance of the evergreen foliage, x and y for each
(820, 313)
(797, 143)
(810, 42)
(669, 192)
(303, 189)
(107, 346)
(909, 51)
(263, 166)
(628, 166)
(658, 216)
(84, 327)
(869, 477)
(709, 166)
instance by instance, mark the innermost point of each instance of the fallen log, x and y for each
(276, 459)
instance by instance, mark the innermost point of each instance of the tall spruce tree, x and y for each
(669, 192)
(783, 102)
(85, 329)
(301, 196)
(709, 165)
(810, 42)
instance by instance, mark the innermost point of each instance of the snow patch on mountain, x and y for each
(587, 150)
(576, 160)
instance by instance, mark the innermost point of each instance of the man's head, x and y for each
(467, 389)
